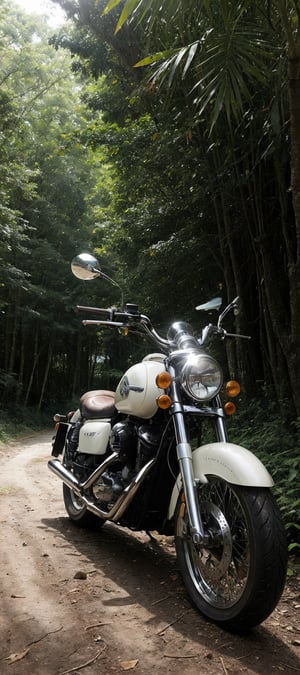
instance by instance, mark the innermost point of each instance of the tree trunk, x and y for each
(34, 365)
(293, 343)
(21, 367)
(49, 357)
(76, 366)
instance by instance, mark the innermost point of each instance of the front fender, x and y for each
(228, 461)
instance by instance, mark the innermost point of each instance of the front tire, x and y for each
(237, 580)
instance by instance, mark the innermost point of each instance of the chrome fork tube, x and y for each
(184, 455)
(220, 423)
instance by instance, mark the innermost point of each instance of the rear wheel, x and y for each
(77, 510)
(74, 505)
(236, 580)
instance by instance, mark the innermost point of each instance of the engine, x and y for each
(123, 440)
(135, 447)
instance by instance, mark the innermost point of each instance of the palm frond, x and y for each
(226, 51)
(140, 9)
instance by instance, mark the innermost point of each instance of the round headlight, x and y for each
(201, 377)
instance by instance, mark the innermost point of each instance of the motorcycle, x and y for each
(134, 457)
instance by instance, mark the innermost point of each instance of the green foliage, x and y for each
(259, 427)
(44, 211)
(150, 172)
(224, 45)
(21, 422)
(217, 171)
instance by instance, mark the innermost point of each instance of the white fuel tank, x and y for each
(94, 436)
(137, 391)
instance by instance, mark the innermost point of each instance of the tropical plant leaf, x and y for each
(191, 53)
(176, 63)
(148, 60)
(110, 5)
(168, 9)
(127, 10)
(226, 57)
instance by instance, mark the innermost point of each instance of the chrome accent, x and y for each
(189, 487)
(99, 471)
(120, 506)
(185, 459)
(201, 377)
(125, 387)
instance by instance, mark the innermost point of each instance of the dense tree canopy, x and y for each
(43, 214)
(164, 146)
(200, 142)
(242, 67)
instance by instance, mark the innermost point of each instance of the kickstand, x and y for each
(150, 536)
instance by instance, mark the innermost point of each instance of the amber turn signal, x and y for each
(232, 388)
(164, 401)
(163, 380)
(229, 408)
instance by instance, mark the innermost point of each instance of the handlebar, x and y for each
(131, 317)
(219, 331)
(107, 315)
(100, 311)
(123, 319)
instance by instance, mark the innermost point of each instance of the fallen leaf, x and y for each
(296, 643)
(129, 665)
(12, 658)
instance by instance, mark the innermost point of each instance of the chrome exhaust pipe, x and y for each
(66, 476)
(69, 479)
(123, 500)
(127, 495)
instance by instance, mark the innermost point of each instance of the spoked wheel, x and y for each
(77, 510)
(237, 579)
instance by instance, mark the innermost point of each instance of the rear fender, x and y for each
(59, 439)
(231, 462)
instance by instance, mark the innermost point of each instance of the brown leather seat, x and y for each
(98, 404)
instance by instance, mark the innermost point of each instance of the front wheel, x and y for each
(237, 579)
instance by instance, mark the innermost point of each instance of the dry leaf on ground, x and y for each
(13, 658)
(129, 665)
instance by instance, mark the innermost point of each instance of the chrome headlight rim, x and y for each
(201, 377)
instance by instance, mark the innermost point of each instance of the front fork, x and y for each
(185, 459)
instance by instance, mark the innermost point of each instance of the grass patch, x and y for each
(20, 422)
(8, 490)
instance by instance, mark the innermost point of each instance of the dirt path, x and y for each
(128, 612)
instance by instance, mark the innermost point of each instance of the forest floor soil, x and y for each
(109, 601)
